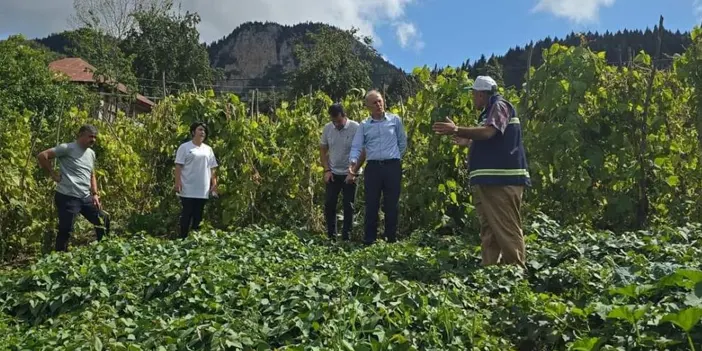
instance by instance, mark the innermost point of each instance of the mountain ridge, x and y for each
(618, 46)
(262, 54)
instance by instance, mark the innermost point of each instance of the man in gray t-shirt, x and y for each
(335, 145)
(76, 189)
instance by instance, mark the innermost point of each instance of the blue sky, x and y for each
(453, 31)
(409, 33)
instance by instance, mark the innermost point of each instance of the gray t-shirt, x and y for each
(339, 143)
(76, 168)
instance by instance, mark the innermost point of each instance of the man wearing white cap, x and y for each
(497, 171)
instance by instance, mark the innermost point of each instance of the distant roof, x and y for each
(78, 70)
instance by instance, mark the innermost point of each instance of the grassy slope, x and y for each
(269, 288)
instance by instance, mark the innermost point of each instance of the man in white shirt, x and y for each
(195, 178)
(335, 146)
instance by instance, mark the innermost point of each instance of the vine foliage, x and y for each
(592, 134)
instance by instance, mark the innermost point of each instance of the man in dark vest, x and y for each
(497, 171)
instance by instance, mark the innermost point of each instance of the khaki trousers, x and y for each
(498, 208)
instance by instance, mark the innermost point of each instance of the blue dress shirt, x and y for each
(383, 139)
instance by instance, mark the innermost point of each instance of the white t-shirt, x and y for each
(195, 174)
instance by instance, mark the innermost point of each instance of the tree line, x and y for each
(620, 49)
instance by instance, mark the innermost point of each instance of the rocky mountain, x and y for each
(260, 55)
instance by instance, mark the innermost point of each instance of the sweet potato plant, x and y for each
(265, 288)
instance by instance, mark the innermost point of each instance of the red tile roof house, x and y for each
(80, 71)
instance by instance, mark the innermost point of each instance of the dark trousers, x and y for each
(191, 215)
(68, 208)
(382, 177)
(334, 187)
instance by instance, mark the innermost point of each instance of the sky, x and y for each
(408, 33)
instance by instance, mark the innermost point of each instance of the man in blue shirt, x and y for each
(383, 137)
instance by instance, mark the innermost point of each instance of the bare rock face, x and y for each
(258, 56)
(255, 52)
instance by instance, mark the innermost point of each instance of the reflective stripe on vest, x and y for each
(499, 172)
(513, 120)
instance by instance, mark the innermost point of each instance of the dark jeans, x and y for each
(68, 208)
(334, 187)
(191, 213)
(382, 177)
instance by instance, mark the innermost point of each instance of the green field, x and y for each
(269, 288)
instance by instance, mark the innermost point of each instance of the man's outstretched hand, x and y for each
(444, 128)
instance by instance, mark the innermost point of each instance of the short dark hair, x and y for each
(197, 124)
(336, 110)
(87, 128)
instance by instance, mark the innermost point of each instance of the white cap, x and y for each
(484, 83)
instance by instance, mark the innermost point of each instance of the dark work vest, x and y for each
(500, 160)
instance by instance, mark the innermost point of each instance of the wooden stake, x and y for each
(642, 213)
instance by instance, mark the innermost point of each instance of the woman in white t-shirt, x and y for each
(195, 178)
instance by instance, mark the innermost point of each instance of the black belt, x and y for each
(383, 162)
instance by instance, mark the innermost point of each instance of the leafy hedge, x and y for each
(602, 150)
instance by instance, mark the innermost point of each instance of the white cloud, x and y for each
(408, 35)
(578, 11)
(38, 18)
